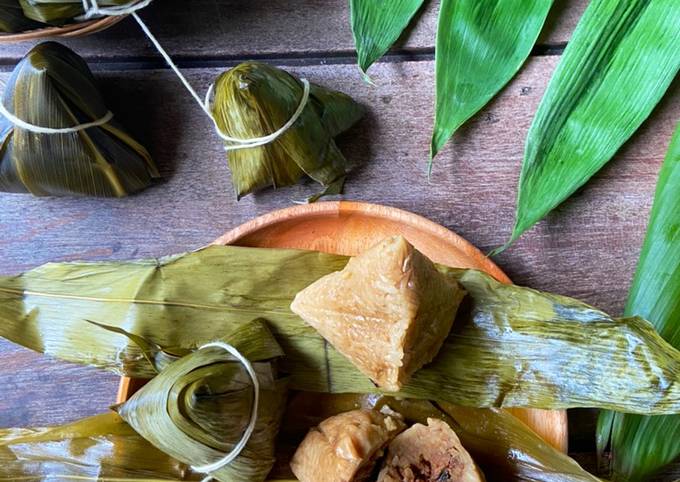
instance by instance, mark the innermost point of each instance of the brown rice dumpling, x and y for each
(345, 447)
(253, 100)
(52, 87)
(388, 311)
(431, 453)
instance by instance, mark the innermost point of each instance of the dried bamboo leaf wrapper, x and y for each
(12, 18)
(253, 100)
(53, 87)
(92, 449)
(514, 347)
(197, 409)
(59, 12)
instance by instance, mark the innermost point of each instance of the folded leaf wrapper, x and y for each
(191, 414)
(253, 100)
(510, 346)
(12, 18)
(53, 87)
(59, 12)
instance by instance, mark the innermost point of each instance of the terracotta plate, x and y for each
(349, 228)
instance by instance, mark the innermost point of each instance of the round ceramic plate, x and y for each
(349, 228)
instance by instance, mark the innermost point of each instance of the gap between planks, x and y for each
(292, 59)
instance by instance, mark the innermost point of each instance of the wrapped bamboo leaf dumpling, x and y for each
(388, 311)
(253, 100)
(428, 453)
(12, 18)
(345, 447)
(59, 12)
(52, 88)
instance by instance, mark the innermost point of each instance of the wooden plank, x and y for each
(264, 28)
(588, 248)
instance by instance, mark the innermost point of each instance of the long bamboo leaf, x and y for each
(618, 64)
(99, 448)
(481, 44)
(642, 445)
(377, 24)
(513, 346)
(12, 18)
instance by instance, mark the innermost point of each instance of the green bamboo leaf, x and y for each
(511, 346)
(377, 24)
(53, 87)
(642, 445)
(617, 66)
(480, 46)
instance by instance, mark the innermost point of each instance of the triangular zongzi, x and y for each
(53, 87)
(253, 100)
(12, 18)
(59, 12)
(388, 311)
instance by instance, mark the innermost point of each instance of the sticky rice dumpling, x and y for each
(52, 87)
(12, 18)
(253, 100)
(345, 447)
(431, 453)
(57, 12)
(388, 311)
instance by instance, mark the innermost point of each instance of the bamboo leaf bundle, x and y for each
(59, 12)
(253, 100)
(12, 18)
(53, 87)
(480, 46)
(619, 63)
(642, 445)
(512, 346)
(376, 25)
(189, 415)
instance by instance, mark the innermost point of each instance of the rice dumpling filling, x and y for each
(388, 311)
(431, 453)
(345, 448)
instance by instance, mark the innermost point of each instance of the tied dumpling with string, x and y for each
(59, 12)
(12, 18)
(58, 137)
(255, 101)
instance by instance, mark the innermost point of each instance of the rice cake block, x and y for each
(345, 447)
(431, 453)
(389, 311)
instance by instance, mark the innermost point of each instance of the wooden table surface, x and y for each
(587, 248)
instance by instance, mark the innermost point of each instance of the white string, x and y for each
(258, 141)
(238, 448)
(49, 130)
(92, 8)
